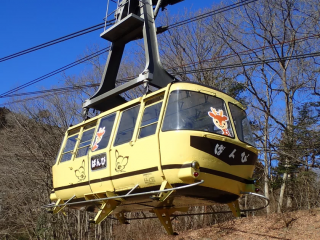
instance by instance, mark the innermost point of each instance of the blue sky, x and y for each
(27, 23)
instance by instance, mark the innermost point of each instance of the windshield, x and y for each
(241, 124)
(189, 110)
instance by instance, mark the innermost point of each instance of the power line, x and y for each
(251, 63)
(54, 90)
(111, 22)
(58, 40)
(211, 13)
(248, 51)
(178, 73)
(27, 99)
(185, 65)
(95, 54)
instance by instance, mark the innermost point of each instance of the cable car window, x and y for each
(189, 110)
(126, 126)
(103, 134)
(149, 120)
(68, 149)
(85, 142)
(241, 124)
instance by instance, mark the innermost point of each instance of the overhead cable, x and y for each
(110, 22)
(301, 56)
(59, 70)
(249, 51)
(251, 63)
(54, 90)
(176, 67)
(58, 40)
(210, 13)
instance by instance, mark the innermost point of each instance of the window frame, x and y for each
(80, 138)
(77, 131)
(65, 142)
(118, 123)
(253, 145)
(210, 95)
(142, 114)
(114, 125)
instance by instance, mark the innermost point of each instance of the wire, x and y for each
(26, 99)
(252, 50)
(283, 148)
(110, 22)
(178, 73)
(185, 65)
(75, 87)
(52, 92)
(95, 54)
(252, 63)
(211, 13)
(58, 40)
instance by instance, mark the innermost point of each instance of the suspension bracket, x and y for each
(164, 217)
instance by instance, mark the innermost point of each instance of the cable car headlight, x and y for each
(189, 172)
(195, 165)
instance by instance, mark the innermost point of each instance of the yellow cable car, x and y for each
(186, 136)
(183, 145)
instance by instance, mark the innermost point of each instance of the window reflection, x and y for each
(85, 142)
(189, 110)
(241, 124)
(68, 149)
(103, 132)
(127, 124)
(149, 120)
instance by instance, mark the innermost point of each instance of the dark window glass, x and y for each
(68, 149)
(149, 120)
(189, 110)
(126, 126)
(85, 142)
(148, 130)
(103, 133)
(241, 124)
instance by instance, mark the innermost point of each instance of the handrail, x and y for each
(127, 195)
(207, 213)
(258, 195)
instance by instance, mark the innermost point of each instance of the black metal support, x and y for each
(134, 19)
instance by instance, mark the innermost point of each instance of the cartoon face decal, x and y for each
(80, 172)
(121, 162)
(99, 136)
(220, 120)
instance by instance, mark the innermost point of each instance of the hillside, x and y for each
(294, 225)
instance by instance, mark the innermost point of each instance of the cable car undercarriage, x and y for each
(164, 211)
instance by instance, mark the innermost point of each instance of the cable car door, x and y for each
(99, 158)
(80, 162)
(135, 152)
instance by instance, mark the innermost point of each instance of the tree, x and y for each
(276, 30)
